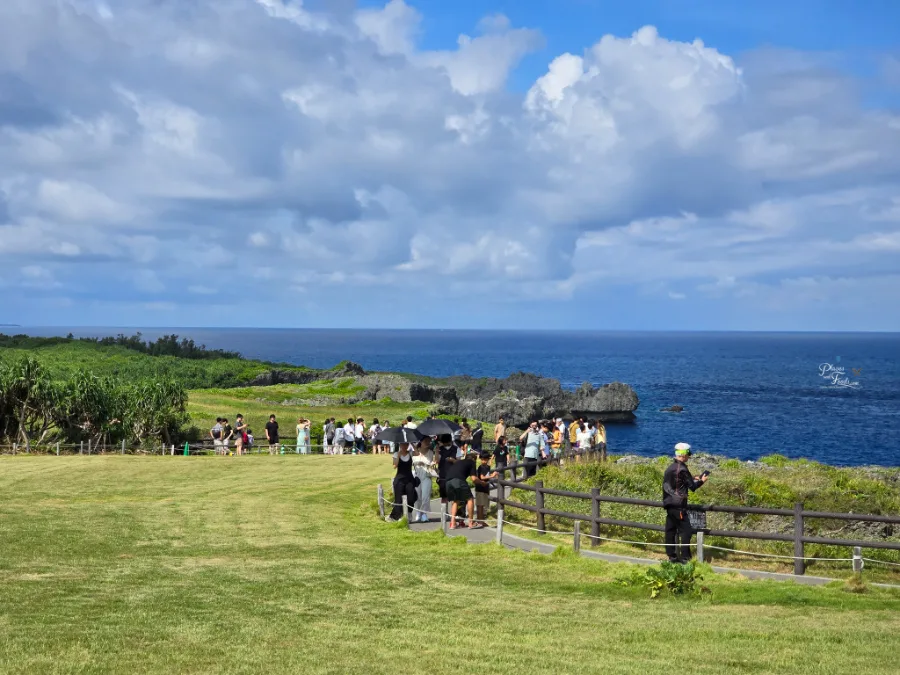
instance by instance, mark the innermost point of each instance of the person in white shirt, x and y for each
(374, 430)
(359, 435)
(409, 423)
(423, 469)
(338, 448)
(584, 437)
(349, 435)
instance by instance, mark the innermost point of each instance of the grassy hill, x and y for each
(280, 565)
(67, 357)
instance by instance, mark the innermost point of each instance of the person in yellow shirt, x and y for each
(600, 440)
(556, 441)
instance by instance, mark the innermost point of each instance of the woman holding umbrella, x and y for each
(405, 479)
(404, 484)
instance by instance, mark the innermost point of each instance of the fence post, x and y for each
(799, 562)
(381, 500)
(80, 447)
(89, 446)
(15, 448)
(700, 535)
(539, 502)
(405, 510)
(595, 516)
(576, 542)
(173, 450)
(444, 517)
(501, 495)
(857, 560)
(123, 446)
(57, 448)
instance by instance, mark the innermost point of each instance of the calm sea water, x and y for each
(744, 394)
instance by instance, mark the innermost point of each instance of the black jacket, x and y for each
(677, 480)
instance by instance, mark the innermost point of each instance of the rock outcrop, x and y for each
(519, 398)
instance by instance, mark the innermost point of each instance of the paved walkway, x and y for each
(511, 541)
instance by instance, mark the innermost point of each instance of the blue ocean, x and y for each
(832, 397)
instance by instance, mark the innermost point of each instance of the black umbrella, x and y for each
(399, 435)
(437, 427)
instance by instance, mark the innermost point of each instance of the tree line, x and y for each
(36, 408)
(167, 345)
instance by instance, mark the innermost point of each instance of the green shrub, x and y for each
(777, 461)
(669, 578)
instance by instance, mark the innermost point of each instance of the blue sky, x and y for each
(576, 163)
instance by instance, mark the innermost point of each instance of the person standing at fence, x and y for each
(483, 475)
(374, 430)
(349, 435)
(227, 433)
(423, 463)
(534, 447)
(478, 438)
(328, 436)
(272, 435)
(339, 442)
(501, 454)
(302, 436)
(216, 434)
(359, 435)
(677, 481)
(459, 492)
(404, 484)
(600, 440)
(499, 429)
(446, 452)
(240, 434)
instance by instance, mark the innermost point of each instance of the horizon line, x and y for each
(467, 330)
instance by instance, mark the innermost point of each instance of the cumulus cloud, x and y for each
(289, 155)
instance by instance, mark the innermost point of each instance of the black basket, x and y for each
(697, 519)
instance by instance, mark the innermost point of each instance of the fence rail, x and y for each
(798, 513)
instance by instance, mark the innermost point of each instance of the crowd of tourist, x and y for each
(452, 460)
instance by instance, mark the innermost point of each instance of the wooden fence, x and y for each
(595, 519)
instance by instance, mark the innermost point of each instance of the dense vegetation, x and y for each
(167, 345)
(265, 564)
(774, 481)
(65, 358)
(36, 408)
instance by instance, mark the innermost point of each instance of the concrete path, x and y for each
(511, 541)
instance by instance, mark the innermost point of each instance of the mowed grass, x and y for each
(280, 565)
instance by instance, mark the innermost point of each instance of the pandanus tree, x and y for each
(28, 399)
(36, 409)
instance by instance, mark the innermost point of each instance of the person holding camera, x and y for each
(677, 480)
(534, 448)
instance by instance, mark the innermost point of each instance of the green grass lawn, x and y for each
(280, 565)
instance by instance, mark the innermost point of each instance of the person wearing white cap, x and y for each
(677, 481)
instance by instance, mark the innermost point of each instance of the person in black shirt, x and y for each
(483, 475)
(458, 490)
(446, 452)
(272, 435)
(501, 453)
(404, 484)
(677, 480)
(478, 437)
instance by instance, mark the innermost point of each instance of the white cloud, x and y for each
(328, 150)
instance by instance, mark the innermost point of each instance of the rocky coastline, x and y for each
(519, 398)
